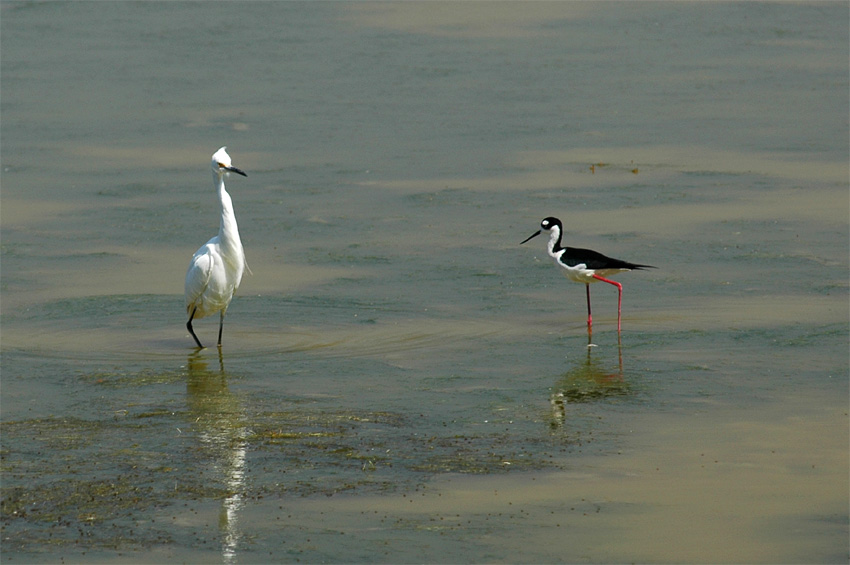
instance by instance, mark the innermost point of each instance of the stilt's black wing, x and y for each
(594, 260)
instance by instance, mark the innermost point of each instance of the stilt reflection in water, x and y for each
(218, 420)
(591, 380)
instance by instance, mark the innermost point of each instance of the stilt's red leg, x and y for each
(619, 295)
(589, 317)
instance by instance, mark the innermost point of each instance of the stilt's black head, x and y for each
(546, 225)
(550, 222)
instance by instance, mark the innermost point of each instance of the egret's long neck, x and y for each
(228, 232)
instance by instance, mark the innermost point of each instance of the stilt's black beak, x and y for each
(235, 170)
(532, 236)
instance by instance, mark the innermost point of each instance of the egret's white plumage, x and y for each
(216, 268)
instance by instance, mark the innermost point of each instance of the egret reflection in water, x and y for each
(218, 420)
(592, 379)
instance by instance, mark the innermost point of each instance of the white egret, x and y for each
(216, 268)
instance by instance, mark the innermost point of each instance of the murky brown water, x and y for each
(401, 381)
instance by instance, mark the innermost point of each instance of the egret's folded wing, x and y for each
(198, 276)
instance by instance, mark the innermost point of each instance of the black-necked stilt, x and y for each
(584, 265)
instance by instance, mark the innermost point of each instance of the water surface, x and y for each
(401, 381)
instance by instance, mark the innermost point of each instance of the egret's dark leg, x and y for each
(619, 295)
(220, 327)
(589, 317)
(191, 331)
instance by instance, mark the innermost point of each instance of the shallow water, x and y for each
(401, 381)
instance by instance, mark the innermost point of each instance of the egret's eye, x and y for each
(220, 166)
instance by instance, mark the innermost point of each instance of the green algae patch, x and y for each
(105, 481)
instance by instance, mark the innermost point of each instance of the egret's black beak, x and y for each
(235, 170)
(532, 236)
